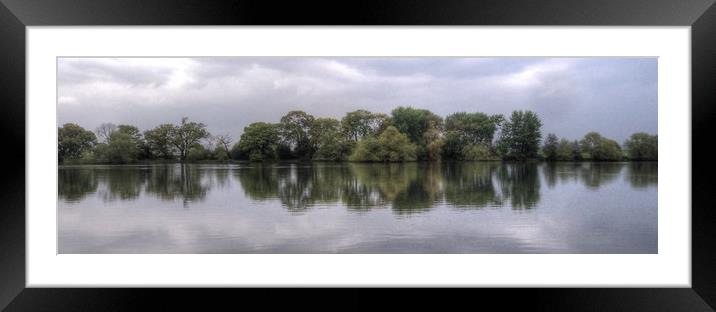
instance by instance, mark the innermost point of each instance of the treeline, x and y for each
(407, 134)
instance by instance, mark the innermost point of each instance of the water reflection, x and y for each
(122, 183)
(405, 189)
(471, 184)
(420, 207)
(643, 174)
(594, 175)
(520, 184)
(76, 183)
(125, 183)
(178, 182)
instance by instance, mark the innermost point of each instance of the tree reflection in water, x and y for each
(177, 182)
(75, 183)
(470, 184)
(122, 182)
(519, 182)
(405, 188)
(643, 174)
(596, 174)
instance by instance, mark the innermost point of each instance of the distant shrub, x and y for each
(198, 152)
(595, 147)
(478, 152)
(390, 146)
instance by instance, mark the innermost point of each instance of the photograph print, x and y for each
(367, 155)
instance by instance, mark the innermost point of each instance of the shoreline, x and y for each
(293, 161)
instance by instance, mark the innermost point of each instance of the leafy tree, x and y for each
(596, 147)
(220, 153)
(414, 122)
(478, 151)
(132, 132)
(610, 151)
(550, 147)
(452, 146)
(642, 146)
(468, 133)
(326, 140)
(362, 123)
(160, 141)
(124, 145)
(294, 128)
(566, 150)
(73, 141)
(422, 128)
(473, 128)
(432, 144)
(198, 152)
(520, 135)
(577, 151)
(186, 135)
(259, 141)
(390, 146)
(121, 149)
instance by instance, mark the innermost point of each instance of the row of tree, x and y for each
(407, 134)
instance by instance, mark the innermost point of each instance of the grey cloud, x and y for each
(615, 96)
(90, 70)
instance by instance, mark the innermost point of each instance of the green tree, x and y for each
(596, 147)
(198, 152)
(259, 141)
(473, 128)
(414, 122)
(478, 151)
(390, 146)
(432, 144)
(551, 147)
(642, 146)
(294, 128)
(121, 148)
(159, 140)
(326, 140)
(520, 136)
(186, 135)
(453, 145)
(422, 128)
(467, 135)
(135, 136)
(566, 150)
(577, 151)
(362, 123)
(74, 141)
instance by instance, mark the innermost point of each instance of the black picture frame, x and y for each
(15, 15)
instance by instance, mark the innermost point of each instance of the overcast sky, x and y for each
(572, 96)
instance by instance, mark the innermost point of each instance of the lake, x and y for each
(449, 207)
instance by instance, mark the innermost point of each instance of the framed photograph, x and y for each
(509, 145)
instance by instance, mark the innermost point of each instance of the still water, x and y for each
(462, 207)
